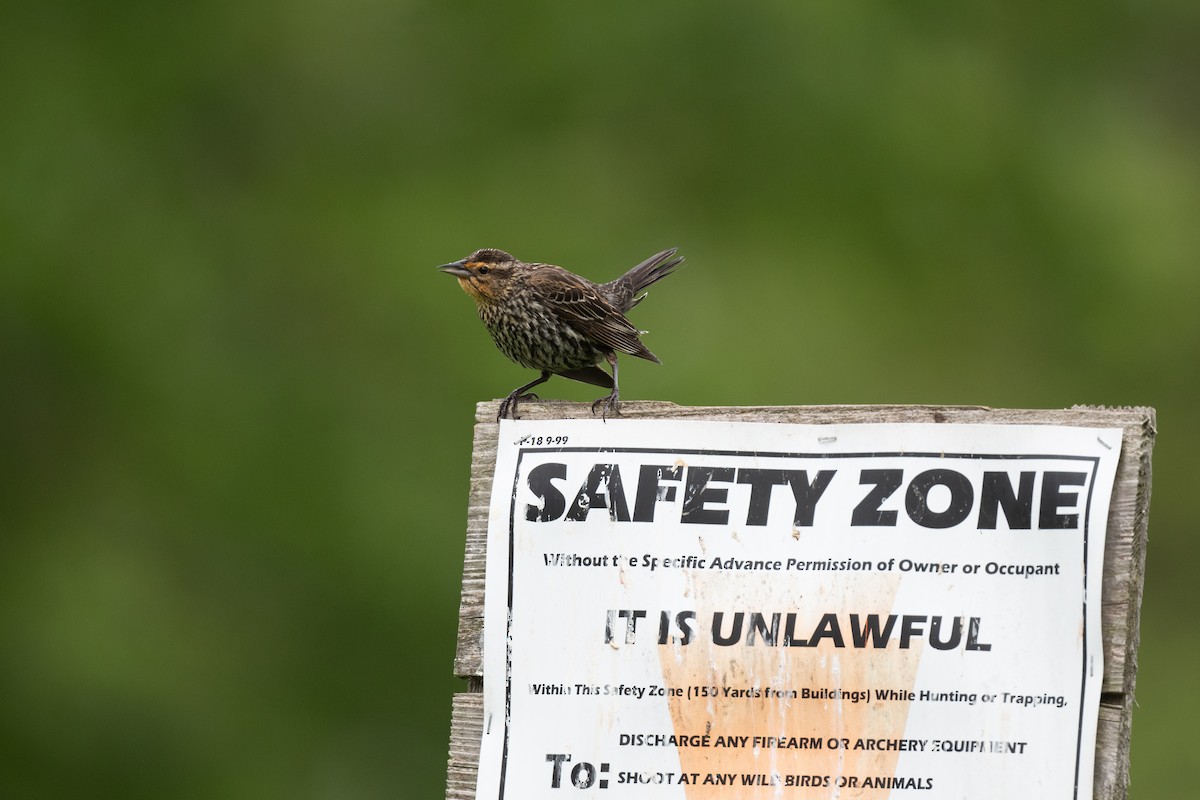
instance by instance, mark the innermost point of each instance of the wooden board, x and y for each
(1124, 557)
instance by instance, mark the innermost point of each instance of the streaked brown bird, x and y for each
(546, 318)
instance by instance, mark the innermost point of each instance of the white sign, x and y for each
(735, 610)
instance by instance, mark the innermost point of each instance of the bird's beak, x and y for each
(456, 269)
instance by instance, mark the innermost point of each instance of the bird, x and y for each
(547, 318)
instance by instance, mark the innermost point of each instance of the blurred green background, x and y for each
(237, 398)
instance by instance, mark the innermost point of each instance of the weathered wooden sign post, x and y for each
(801, 602)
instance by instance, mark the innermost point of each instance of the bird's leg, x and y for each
(508, 406)
(611, 400)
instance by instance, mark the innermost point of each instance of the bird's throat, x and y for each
(477, 294)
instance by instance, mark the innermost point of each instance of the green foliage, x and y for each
(238, 398)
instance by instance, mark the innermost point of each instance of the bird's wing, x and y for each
(582, 305)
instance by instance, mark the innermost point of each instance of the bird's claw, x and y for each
(508, 406)
(610, 403)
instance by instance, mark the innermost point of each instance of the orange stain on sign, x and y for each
(796, 719)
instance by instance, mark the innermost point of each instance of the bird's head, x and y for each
(485, 274)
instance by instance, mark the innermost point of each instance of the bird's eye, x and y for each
(483, 270)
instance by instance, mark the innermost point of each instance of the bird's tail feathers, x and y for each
(651, 270)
